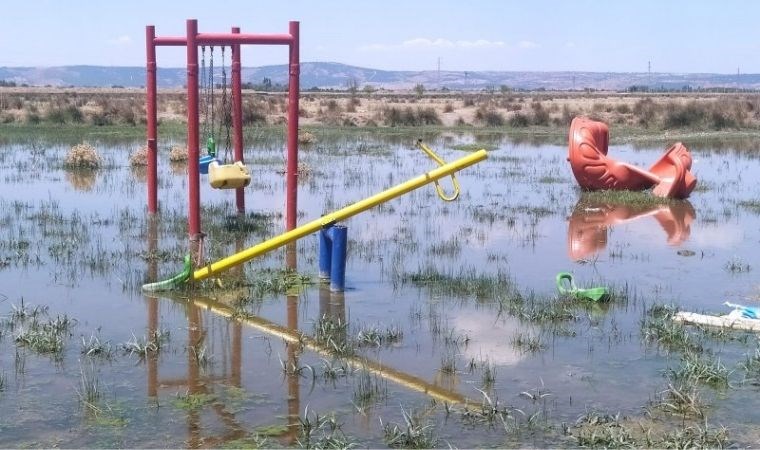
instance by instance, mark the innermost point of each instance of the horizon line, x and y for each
(393, 70)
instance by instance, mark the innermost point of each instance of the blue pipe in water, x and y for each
(333, 242)
(338, 263)
(325, 252)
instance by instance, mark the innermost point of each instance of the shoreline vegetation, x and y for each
(631, 116)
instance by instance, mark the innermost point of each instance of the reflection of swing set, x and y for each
(222, 174)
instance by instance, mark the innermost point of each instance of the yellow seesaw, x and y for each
(315, 225)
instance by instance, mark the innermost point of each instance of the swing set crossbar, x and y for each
(226, 39)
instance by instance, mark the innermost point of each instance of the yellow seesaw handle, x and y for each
(440, 162)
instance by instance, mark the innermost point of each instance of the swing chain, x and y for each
(204, 88)
(210, 142)
(226, 111)
(211, 85)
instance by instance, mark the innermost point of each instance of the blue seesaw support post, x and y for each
(333, 240)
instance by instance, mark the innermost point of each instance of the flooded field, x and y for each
(450, 333)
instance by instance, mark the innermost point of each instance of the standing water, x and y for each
(450, 331)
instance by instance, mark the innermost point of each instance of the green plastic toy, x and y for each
(174, 282)
(566, 286)
(211, 146)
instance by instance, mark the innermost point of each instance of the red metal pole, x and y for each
(237, 116)
(194, 210)
(151, 119)
(291, 180)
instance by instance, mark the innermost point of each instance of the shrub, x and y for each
(393, 117)
(32, 118)
(428, 116)
(333, 106)
(682, 116)
(139, 157)
(178, 153)
(252, 113)
(720, 120)
(519, 120)
(623, 109)
(306, 137)
(101, 119)
(729, 113)
(540, 115)
(82, 156)
(62, 115)
(489, 117)
(568, 115)
(646, 111)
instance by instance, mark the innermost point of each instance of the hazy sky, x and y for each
(605, 35)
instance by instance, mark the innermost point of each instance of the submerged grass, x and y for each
(682, 399)
(658, 328)
(368, 390)
(333, 334)
(467, 284)
(146, 345)
(44, 337)
(415, 432)
(377, 336)
(188, 401)
(527, 343)
(474, 146)
(631, 198)
(278, 281)
(321, 431)
(701, 369)
(597, 430)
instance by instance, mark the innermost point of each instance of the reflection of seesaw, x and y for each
(314, 226)
(296, 337)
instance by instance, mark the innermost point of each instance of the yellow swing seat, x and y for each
(228, 176)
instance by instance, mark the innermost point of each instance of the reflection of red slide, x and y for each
(588, 224)
(670, 175)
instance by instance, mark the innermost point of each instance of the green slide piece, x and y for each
(174, 282)
(566, 286)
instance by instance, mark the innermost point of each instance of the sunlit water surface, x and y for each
(80, 245)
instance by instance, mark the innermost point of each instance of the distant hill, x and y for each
(328, 75)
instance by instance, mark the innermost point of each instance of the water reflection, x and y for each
(294, 350)
(588, 224)
(82, 180)
(140, 173)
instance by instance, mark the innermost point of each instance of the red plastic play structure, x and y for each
(593, 169)
(235, 39)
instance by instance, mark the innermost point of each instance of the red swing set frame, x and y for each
(235, 39)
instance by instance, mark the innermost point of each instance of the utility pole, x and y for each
(649, 71)
(738, 79)
(439, 72)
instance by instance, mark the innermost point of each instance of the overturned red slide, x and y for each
(593, 169)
